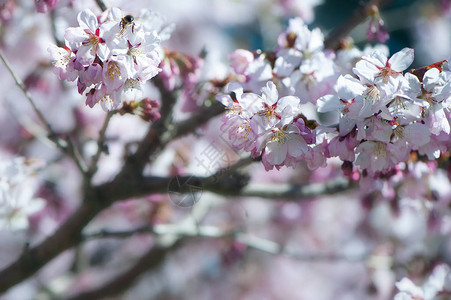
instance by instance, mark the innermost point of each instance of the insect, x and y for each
(127, 20)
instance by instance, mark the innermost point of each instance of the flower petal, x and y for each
(401, 60)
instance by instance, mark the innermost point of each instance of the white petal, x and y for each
(365, 70)
(276, 152)
(291, 101)
(430, 79)
(417, 134)
(297, 145)
(75, 35)
(329, 103)
(88, 20)
(401, 60)
(270, 94)
(348, 88)
(406, 285)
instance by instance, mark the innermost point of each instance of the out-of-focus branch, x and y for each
(151, 260)
(58, 42)
(187, 126)
(21, 85)
(359, 16)
(101, 4)
(100, 144)
(144, 264)
(247, 239)
(166, 243)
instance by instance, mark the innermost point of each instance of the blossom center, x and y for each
(93, 40)
(244, 130)
(372, 94)
(280, 136)
(113, 70)
(379, 149)
(385, 73)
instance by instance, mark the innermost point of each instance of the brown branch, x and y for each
(359, 16)
(100, 144)
(101, 4)
(232, 186)
(199, 118)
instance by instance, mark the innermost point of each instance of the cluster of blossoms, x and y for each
(147, 109)
(111, 56)
(300, 67)
(301, 71)
(437, 286)
(183, 70)
(18, 187)
(384, 115)
(266, 125)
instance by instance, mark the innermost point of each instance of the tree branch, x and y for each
(359, 16)
(227, 186)
(100, 144)
(163, 131)
(101, 4)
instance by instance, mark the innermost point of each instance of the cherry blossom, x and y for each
(125, 55)
(18, 188)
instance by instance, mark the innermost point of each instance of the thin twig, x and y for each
(100, 144)
(76, 157)
(359, 16)
(58, 42)
(21, 85)
(65, 145)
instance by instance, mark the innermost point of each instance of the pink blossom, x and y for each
(378, 68)
(44, 6)
(87, 39)
(63, 60)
